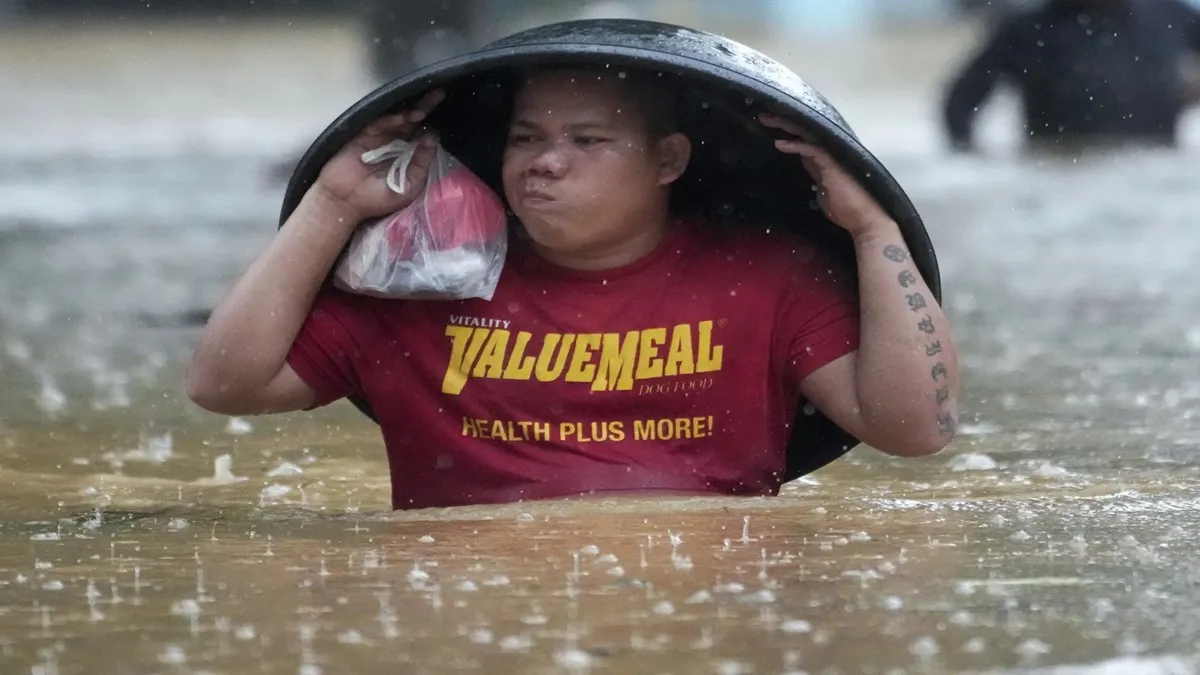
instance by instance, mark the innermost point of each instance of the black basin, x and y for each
(736, 172)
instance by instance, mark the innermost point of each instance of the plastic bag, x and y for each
(448, 244)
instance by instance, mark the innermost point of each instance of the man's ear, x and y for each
(674, 153)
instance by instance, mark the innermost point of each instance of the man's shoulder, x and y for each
(356, 312)
(381, 316)
(769, 249)
(338, 301)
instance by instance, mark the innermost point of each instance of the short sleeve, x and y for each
(324, 352)
(818, 317)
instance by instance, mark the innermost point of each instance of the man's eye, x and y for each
(588, 140)
(520, 138)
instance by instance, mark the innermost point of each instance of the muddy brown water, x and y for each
(141, 535)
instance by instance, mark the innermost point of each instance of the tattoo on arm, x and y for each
(939, 371)
(947, 425)
(946, 421)
(895, 253)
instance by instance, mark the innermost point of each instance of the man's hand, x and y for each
(363, 188)
(842, 198)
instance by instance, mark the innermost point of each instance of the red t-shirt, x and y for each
(678, 372)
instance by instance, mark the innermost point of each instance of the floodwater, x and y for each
(141, 535)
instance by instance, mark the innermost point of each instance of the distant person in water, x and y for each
(613, 357)
(1087, 72)
(403, 35)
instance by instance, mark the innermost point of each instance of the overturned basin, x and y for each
(736, 173)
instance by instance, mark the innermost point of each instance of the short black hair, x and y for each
(654, 94)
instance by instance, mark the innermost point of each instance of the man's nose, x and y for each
(550, 160)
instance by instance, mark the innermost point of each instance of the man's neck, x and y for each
(629, 250)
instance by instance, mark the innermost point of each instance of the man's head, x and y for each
(590, 159)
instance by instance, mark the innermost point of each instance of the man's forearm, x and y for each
(907, 365)
(248, 337)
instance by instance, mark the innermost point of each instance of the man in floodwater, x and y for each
(624, 350)
(1089, 72)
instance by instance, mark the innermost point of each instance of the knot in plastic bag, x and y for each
(401, 153)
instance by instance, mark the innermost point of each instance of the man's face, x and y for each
(580, 169)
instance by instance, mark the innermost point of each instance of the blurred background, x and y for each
(144, 147)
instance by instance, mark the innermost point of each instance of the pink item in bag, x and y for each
(449, 243)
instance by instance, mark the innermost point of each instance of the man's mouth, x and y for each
(537, 196)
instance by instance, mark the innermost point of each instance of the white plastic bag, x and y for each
(448, 244)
